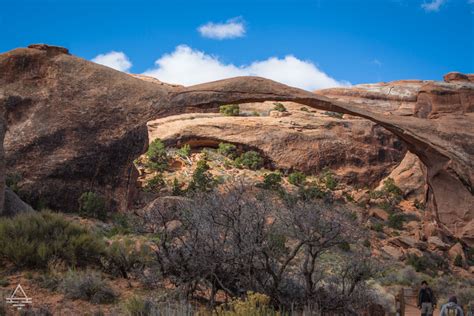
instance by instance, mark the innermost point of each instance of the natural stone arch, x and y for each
(83, 124)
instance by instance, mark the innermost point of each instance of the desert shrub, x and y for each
(176, 189)
(420, 263)
(155, 183)
(92, 204)
(226, 243)
(345, 246)
(12, 180)
(271, 181)
(124, 256)
(138, 306)
(228, 150)
(297, 178)
(366, 243)
(121, 225)
(279, 107)
(403, 276)
(458, 261)
(252, 304)
(390, 188)
(304, 109)
(202, 179)
(230, 110)
(33, 239)
(88, 286)
(470, 256)
(395, 220)
(157, 157)
(49, 280)
(311, 192)
(184, 151)
(378, 227)
(334, 114)
(4, 282)
(36, 311)
(328, 179)
(250, 160)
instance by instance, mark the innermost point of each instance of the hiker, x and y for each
(426, 300)
(470, 309)
(451, 308)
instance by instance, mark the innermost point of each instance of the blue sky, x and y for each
(311, 44)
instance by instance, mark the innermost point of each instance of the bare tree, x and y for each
(239, 238)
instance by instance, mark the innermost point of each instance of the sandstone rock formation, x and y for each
(360, 152)
(75, 126)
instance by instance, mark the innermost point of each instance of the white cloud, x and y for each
(434, 5)
(230, 29)
(187, 66)
(377, 62)
(116, 60)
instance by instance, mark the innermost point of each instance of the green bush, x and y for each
(334, 114)
(11, 181)
(155, 183)
(345, 246)
(304, 109)
(470, 256)
(31, 240)
(4, 282)
(157, 156)
(228, 150)
(202, 179)
(230, 110)
(88, 286)
(125, 255)
(366, 243)
(184, 151)
(137, 306)
(395, 220)
(279, 107)
(271, 181)
(378, 227)
(311, 192)
(92, 205)
(297, 178)
(419, 263)
(328, 179)
(390, 187)
(250, 160)
(458, 261)
(176, 189)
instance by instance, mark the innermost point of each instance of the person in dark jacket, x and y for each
(426, 300)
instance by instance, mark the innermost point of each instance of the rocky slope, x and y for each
(75, 126)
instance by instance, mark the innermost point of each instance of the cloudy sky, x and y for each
(308, 44)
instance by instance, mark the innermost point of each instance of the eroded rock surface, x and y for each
(75, 126)
(360, 152)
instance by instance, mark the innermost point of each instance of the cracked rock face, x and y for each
(75, 126)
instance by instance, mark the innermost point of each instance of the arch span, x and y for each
(75, 126)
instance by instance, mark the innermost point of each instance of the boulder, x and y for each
(409, 177)
(14, 205)
(456, 250)
(434, 242)
(393, 252)
(455, 76)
